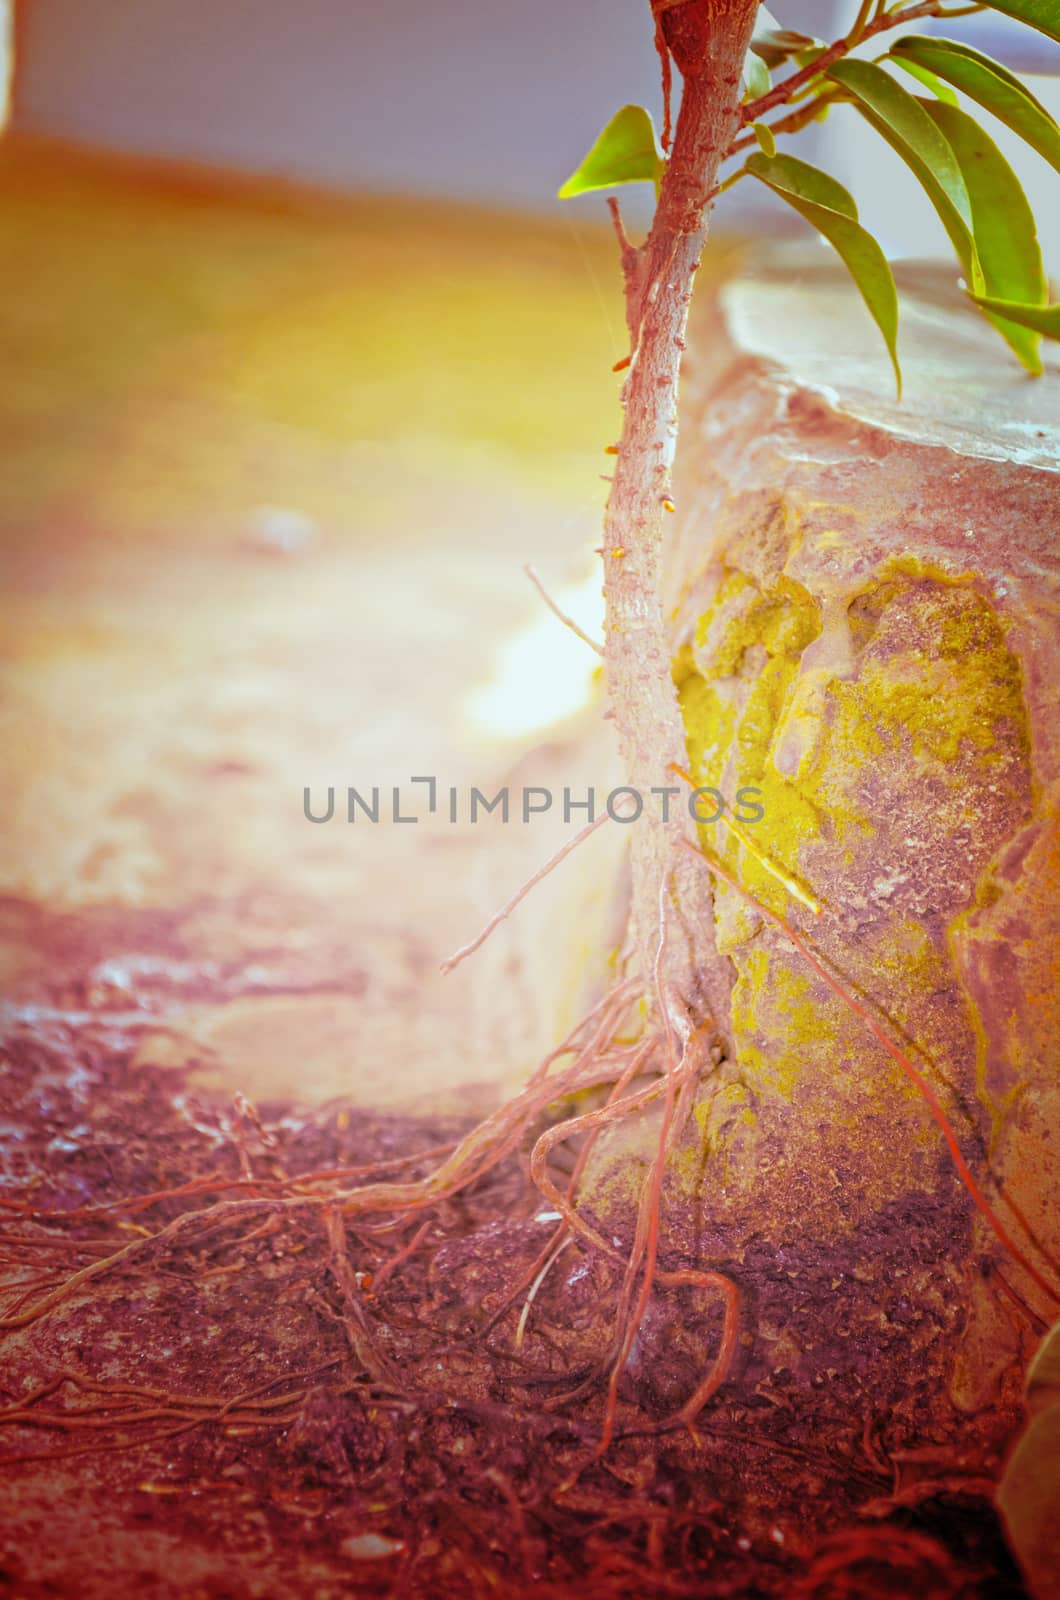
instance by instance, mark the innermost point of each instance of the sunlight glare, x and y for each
(545, 673)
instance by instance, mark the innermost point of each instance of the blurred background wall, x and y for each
(489, 100)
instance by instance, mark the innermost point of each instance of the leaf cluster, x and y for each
(979, 200)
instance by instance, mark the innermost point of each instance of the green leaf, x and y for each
(1041, 14)
(755, 77)
(940, 90)
(902, 120)
(1003, 223)
(625, 152)
(774, 43)
(988, 82)
(831, 210)
(1043, 319)
(764, 136)
(797, 180)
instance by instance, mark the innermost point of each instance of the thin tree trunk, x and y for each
(708, 40)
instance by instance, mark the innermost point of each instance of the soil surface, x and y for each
(270, 1404)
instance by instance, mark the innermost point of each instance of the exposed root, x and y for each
(521, 893)
(131, 1204)
(396, 1260)
(646, 1241)
(568, 622)
(121, 1407)
(563, 1233)
(607, 1049)
(602, 1051)
(552, 1257)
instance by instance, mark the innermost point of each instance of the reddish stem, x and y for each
(755, 110)
(707, 40)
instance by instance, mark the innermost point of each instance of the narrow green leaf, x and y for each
(831, 210)
(797, 179)
(916, 45)
(764, 136)
(902, 120)
(1043, 319)
(988, 82)
(625, 152)
(1041, 14)
(940, 90)
(1006, 238)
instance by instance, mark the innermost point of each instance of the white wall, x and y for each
(490, 100)
(487, 99)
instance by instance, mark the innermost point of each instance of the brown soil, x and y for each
(250, 1415)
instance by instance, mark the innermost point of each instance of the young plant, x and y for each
(726, 52)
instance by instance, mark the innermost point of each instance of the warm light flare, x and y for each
(545, 673)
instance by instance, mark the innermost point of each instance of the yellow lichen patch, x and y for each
(708, 728)
(930, 662)
(790, 817)
(904, 952)
(683, 666)
(783, 621)
(907, 972)
(866, 609)
(802, 1048)
(926, 671)
(774, 998)
(908, 566)
(720, 641)
(761, 715)
(938, 671)
(807, 1093)
(730, 729)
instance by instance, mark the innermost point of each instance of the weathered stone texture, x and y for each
(865, 629)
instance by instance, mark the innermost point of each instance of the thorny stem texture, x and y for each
(708, 40)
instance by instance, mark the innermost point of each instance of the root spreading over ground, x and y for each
(441, 1343)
